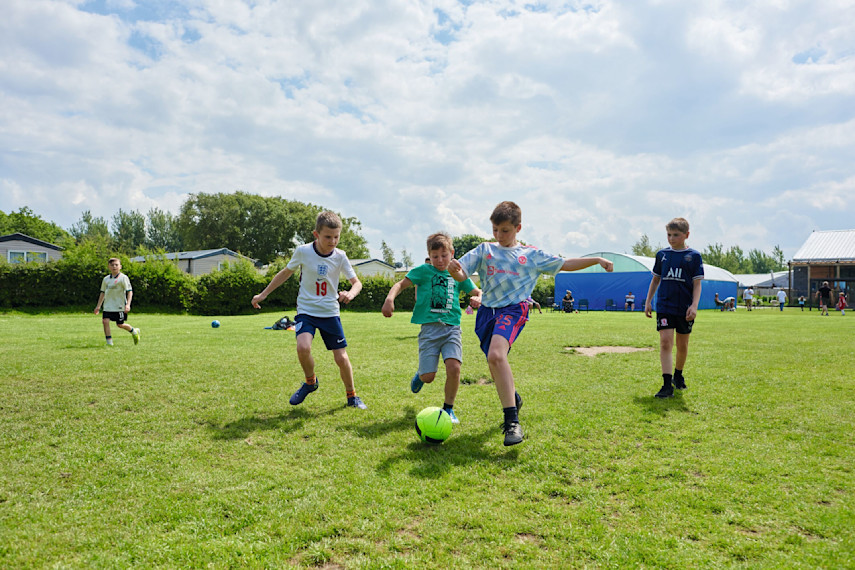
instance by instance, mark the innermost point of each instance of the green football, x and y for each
(433, 425)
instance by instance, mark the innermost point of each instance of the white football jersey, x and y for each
(319, 277)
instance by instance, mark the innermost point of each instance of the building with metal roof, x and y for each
(825, 256)
(201, 261)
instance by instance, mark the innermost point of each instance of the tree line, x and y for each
(269, 228)
(733, 259)
(263, 228)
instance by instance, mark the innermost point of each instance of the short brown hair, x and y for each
(506, 212)
(439, 240)
(112, 259)
(679, 224)
(327, 219)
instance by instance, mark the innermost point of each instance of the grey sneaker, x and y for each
(513, 433)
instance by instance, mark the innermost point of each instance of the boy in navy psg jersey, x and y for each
(677, 273)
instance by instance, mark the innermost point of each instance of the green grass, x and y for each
(184, 452)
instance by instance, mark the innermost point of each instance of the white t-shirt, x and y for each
(782, 297)
(748, 294)
(115, 291)
(319, 277)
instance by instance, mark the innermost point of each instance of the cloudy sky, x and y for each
(602, 119)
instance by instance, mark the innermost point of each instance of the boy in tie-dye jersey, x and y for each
(508, 272)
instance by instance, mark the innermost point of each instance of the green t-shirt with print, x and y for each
(437, 295)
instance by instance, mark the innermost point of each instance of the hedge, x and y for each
(159, 284)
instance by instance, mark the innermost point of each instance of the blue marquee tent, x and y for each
(633, 273)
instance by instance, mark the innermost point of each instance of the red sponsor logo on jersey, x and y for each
(491, 270)
(522, 259)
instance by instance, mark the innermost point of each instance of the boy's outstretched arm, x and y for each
(389, 303)
(277, 280)
(347, 296)
(648, 304)
(99, 303)
(577, 263)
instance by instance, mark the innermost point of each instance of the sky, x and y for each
(601, 119)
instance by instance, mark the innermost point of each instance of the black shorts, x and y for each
(680, 324)
(117, 317)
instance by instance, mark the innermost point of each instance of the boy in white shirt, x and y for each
(116, 295)
(321, 264)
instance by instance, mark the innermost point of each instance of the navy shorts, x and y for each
(117, 317)
(507, 322)
(330, 328)
(680, 324)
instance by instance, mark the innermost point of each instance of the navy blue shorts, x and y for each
(330, 328)
(117, 317)
(507, 322)
(680, 324)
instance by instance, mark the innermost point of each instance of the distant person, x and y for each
(730, 303)
(824, 296)
(567, 302)
(509, 271)
(841, 304)
(719, 303)
(437, 310)
(748, 297)
(802, 302)
(629, 302)
(678, 273)
(782, 298)
(116, 294)
(321, 264)
(532, 303)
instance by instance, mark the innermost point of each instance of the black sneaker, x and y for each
(680, 383)
(518, 400)
(665, 392)
(513, 433)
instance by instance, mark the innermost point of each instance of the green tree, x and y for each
(643, 248)
(162, 231)
(128, 230)
(387, 253)
(28, 223)
(352, 242)
(90, 228)
(406, 259)
(465, 243)
(256, 226)
(261, 227)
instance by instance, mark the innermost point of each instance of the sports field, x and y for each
(184, 452)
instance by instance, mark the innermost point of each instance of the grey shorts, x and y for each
(436, 339)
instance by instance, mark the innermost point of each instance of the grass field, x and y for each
(184, 452)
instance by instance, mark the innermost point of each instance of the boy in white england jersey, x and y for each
(321, 264)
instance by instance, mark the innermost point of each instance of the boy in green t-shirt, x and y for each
(437, 310)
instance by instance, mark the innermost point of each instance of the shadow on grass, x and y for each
(428, 461)
(661, 406)
(241, 429)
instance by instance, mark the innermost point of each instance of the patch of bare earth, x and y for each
(595, 350)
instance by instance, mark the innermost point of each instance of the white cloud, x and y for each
(602, 119)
